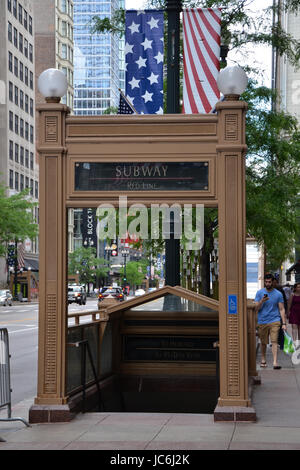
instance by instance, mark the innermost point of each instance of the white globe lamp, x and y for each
(52, 84)
(232, 81)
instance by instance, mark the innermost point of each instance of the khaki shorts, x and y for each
(271, 329)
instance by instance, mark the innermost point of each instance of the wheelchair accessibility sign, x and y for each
(232, 304)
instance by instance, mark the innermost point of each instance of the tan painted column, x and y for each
(232, 263)
(50, 403)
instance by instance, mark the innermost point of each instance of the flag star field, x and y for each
(144, 55)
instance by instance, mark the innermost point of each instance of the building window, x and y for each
(21, 127)
(17, 181)
(64, 28)
(36, 190)
(31, 107)
(64, 51)
(21, 99)
(21, 71)
(21, 14)
(31, 160)
(26, 160)
(22, 155)
(11, 120)
(10, 62)
(25, 19)
(15, 8)
(21, 182)
(9, 5)
(16, 124)
(17, 153)
(26, 182)
(21, 42)
(16, 95)
(16, 67)
(26, 103)
(11, 150)
(26, 75)
(26, 135)
(9, 32)
(11, 179)
(31, 80)
(15, 37)
(31, 187)
(30, 24)
(10, 91)
(25, 47)
(30, 52)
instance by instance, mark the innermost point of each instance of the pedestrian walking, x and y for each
(294, 313)
(277, 286)
(270, 307)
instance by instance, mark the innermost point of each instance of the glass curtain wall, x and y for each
(96, 59)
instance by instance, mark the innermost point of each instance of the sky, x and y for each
(261, 54)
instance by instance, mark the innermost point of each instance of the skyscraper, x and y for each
(98, 71)
(18, 165)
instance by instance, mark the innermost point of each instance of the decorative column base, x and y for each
(50, 414)
(234, 414)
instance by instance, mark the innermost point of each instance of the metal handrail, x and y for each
(5, 387)
(86, 348)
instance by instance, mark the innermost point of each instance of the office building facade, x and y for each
(18, 164)
(98, 59)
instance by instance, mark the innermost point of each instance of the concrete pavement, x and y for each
(276, 401)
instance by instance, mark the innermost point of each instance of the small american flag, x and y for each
(124, 106)
(201, 59)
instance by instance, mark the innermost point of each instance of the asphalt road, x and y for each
(21, 321)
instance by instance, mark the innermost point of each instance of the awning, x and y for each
(32, 264)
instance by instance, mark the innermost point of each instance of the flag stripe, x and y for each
(201, 53)
(194, 88)
(204, 33)
(204, 61)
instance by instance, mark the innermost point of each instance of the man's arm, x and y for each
(282, 314)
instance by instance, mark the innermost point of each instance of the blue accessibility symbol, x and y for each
(232, 304)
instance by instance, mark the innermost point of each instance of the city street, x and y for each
(21, 321)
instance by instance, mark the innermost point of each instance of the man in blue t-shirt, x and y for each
(270, 308)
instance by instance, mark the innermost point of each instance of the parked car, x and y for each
(5, 298)
(139, 292)
(111, 293)
(76, 294)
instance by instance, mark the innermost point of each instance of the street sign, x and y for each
(232, 304)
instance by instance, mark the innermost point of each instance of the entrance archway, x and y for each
(70, 145)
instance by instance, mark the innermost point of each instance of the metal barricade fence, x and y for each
(5, 388)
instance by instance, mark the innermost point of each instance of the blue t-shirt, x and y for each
(269, 312)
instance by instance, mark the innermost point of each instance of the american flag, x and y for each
(144, 57)
(201, 59)
(11, 255)
(21, 250)
(124, 106)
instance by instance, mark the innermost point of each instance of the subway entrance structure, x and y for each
(74, 152)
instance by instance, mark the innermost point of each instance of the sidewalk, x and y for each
(276, 401)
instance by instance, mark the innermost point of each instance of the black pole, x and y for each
(172, 246)
(16, 271)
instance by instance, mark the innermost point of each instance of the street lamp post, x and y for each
(125, 253)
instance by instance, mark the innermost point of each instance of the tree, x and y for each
(135, 272)
(272, 175)
(16, 218)
(84, 262)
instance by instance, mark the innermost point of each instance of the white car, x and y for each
(139, 292)
(5, 298)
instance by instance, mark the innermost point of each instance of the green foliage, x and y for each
(84, 262)
(16, 218)
(272, 175)
(135, 272)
